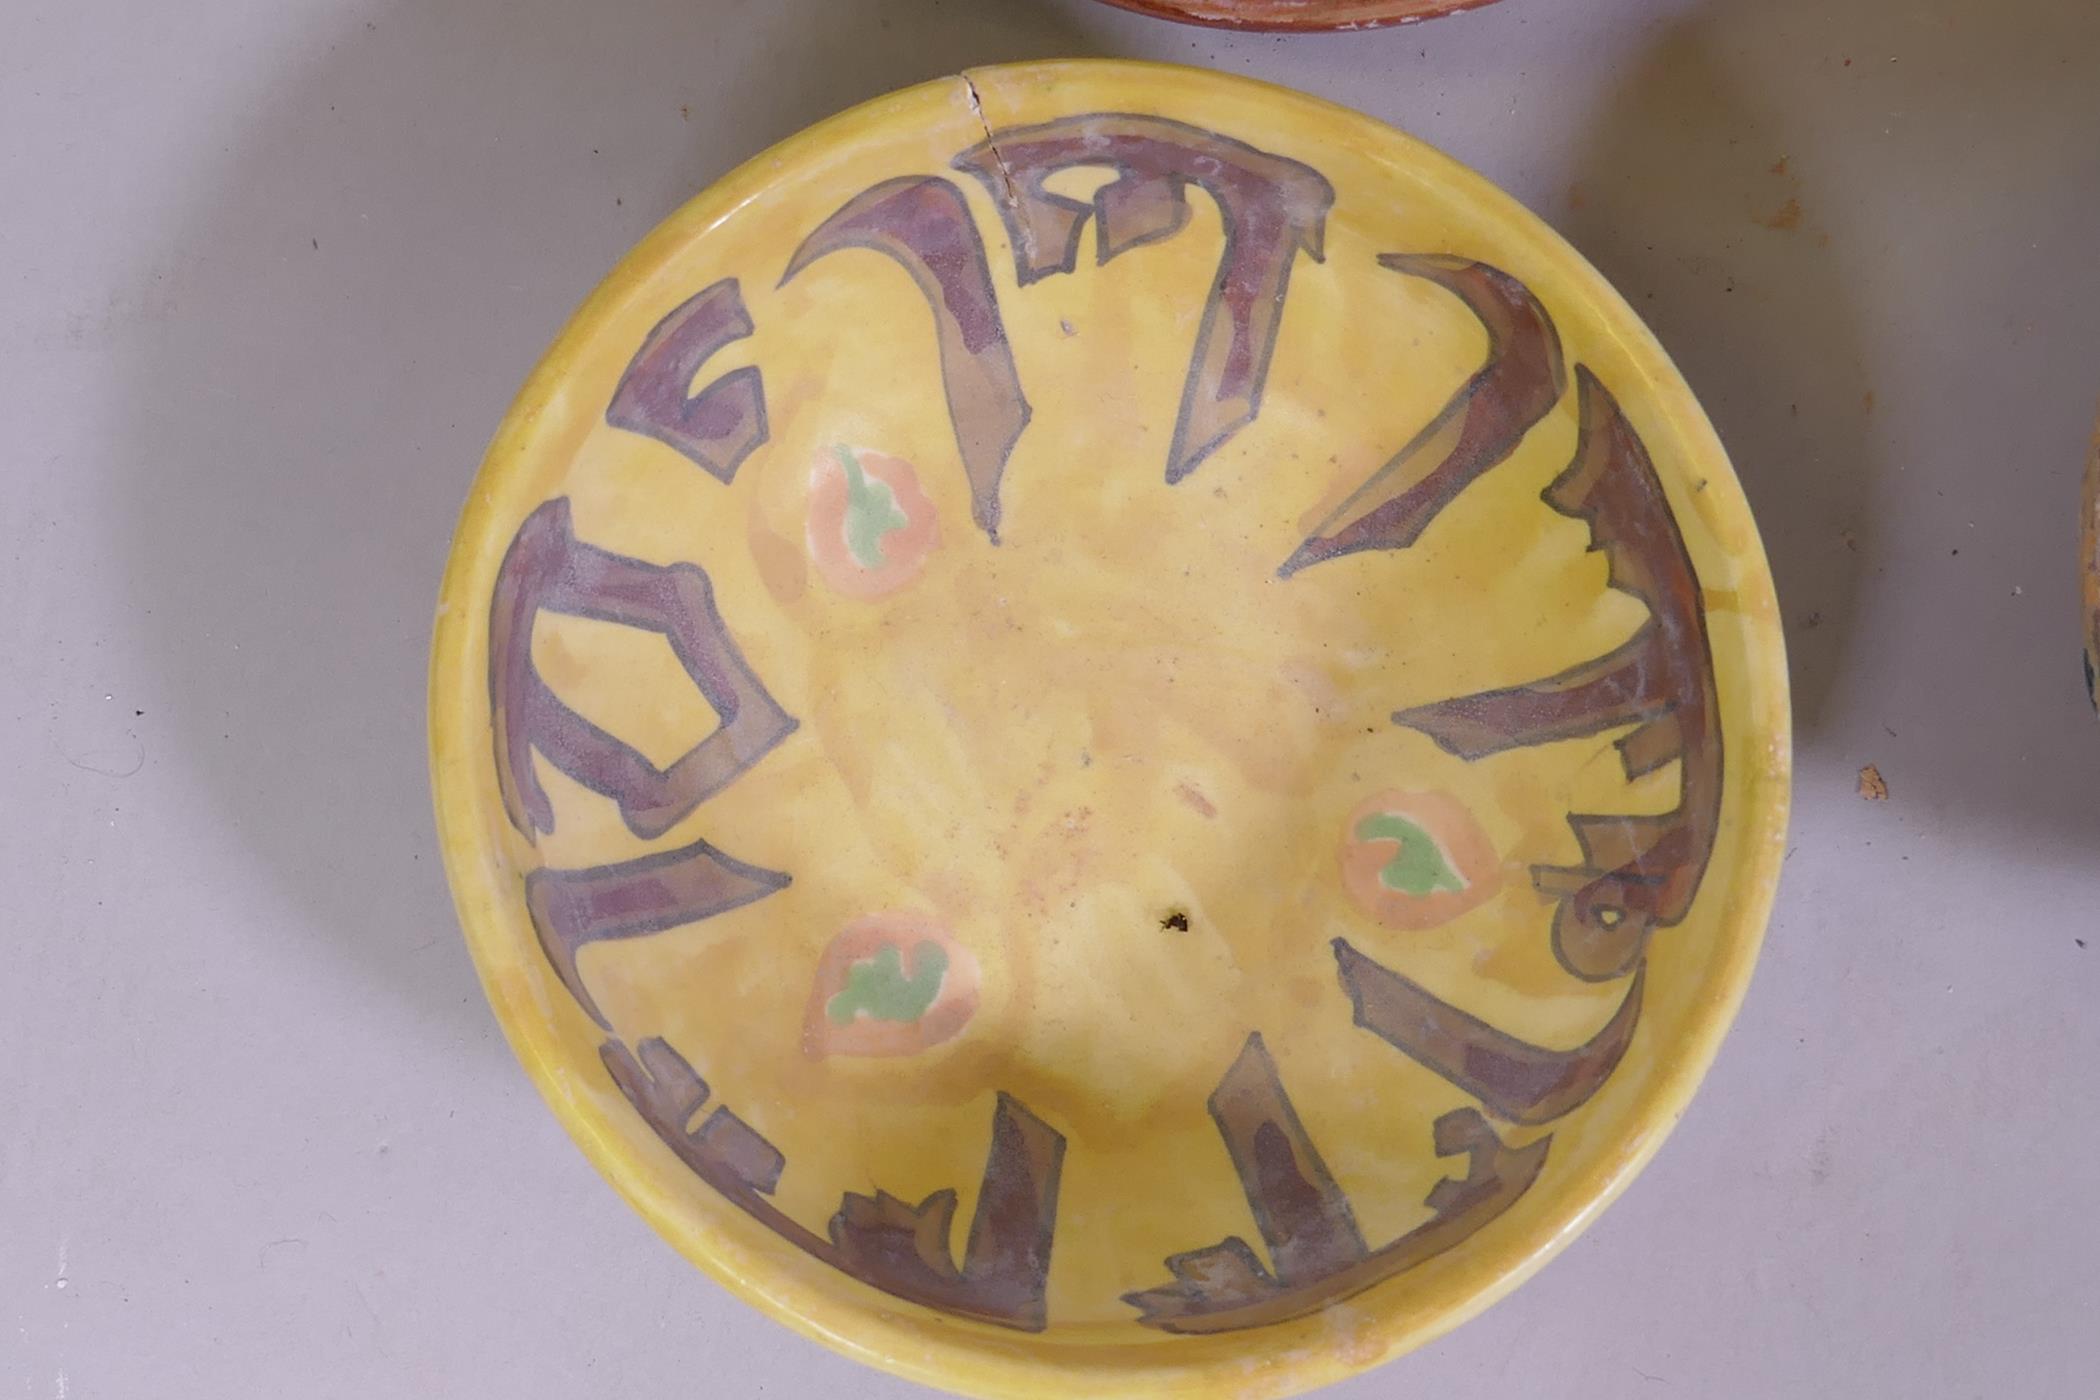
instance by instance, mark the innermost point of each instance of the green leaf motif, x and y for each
(879, 987)
(1419, 867)
(871, 512)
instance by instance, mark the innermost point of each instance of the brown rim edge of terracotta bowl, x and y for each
(1290, 16)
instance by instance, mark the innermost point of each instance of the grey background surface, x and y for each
(270, 271)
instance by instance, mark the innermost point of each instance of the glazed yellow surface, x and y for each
(1117, 713)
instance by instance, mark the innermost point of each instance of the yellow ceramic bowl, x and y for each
(1105, 730)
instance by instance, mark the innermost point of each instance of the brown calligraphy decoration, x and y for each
(884, 1242)
(1517, 1081)
(548, 569)
(1273, 208)
(1317, 1254)
(924, 225)
(573, 908)
(1304, 1218)
(1480, 427)
(719, 426)
(1639, 873)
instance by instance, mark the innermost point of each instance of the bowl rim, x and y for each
(1177, 12)
(894, 1338)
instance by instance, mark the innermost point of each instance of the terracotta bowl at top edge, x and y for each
(1297, 15)
(2089, 571)
(1141, 758)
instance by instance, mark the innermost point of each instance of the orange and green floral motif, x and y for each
(1413, 860)
(889, 984)
(879, 988)
(870, 526)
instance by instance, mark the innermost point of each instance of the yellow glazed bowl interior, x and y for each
(1106, 730)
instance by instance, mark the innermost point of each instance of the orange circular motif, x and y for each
(1413, 860)
(870, 526)
(889, 984)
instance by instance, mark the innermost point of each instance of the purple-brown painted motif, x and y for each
(573, 908)
(1318, 1255)
(1517, 1081)
(923, 223)
(1639, 873)
(548, 569)
(1303, 1216)
(717, 427)
(1273, 209)
(881, 1240)
(1479, 428)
